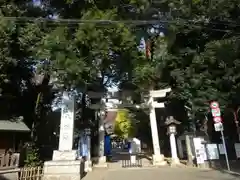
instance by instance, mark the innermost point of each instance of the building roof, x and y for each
(8, 125)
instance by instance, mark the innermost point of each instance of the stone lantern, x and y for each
(171, 124)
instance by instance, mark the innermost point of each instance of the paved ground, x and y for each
(165, 173)
(116, 172)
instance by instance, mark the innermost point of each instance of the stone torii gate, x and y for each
(152, 104)
(64, 164)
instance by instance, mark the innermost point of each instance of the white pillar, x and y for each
(173, 146)
(89, 147)
(88, 162)
(64, 164)
(158, 159)
(175, 159)
(153, 123)
(66, 130)
(67, 123)
(101, 137)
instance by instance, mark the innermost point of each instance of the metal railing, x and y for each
(132, 161)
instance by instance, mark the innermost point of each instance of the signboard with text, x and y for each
(217, 119)
(214, 105)
(216, 113)
(218, 126)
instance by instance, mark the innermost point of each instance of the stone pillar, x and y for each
(180, 147)
(67, 124)
(189, 150)
(101, 137)
(64, 164)
(158, 158)
(88, 162)
(175, 160)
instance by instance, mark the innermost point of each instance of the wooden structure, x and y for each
(12, 132)
(31, 173)
(9, 161)
(26, 173)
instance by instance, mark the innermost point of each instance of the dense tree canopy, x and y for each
(198, 57)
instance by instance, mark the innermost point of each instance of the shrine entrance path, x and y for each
(164, 173)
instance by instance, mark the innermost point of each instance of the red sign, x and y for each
(217, 119)
(214, 105)
(216, 112)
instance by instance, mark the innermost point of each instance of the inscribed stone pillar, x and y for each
(67, 123)
(66, 129)
(64, 164)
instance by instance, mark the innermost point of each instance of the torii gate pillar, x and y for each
(158, 158)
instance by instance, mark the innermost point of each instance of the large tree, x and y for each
(198, 57)
(195, 34)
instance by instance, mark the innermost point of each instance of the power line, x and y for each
(141, 22)
(177, 22)
(76, 21)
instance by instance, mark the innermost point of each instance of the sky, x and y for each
(37, 2)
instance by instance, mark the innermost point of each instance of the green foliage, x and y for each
(124, 124)
(198, 58)
(32, 157)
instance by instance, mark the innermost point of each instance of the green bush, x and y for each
(32, 157)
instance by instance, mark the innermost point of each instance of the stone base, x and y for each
(158, 160)
(101, 162)
(175, 162)
(62, 170)
(88, 166)
(64, 155)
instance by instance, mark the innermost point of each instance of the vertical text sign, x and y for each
(67, 123)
